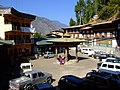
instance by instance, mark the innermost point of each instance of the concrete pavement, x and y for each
(52, 66)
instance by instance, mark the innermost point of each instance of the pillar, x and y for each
(56, 52)
(77, 54)
(66, 54)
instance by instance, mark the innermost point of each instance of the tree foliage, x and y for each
(38, 35)
(72, 22)
(105, 9)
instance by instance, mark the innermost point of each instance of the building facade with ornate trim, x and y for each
(16, 26)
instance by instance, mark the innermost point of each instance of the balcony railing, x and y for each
(27, 29)
(22, 41)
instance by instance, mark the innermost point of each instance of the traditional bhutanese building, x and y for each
(102, 34)
(16, 26)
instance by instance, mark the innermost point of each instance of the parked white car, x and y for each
(87, 50)
(49, 54)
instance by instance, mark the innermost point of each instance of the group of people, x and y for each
(61, 59)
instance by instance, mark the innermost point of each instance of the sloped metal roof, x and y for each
(44, 42)
(6, 42)
(66, 40)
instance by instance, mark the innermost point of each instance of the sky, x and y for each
(60, 10)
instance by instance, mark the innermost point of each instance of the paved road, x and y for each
(52, 66)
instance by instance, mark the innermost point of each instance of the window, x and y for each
(40, 74)
(104, 65)
(26, 67)
(34, 75)
(117, 67)
(27, 75)
(110, 66)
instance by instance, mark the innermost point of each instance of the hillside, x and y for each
(45, 26)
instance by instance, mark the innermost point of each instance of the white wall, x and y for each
(4, 27)
(114, 43)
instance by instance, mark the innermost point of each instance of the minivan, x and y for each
(86, 50)
(110, 66)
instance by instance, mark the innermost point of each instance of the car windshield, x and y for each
(110, 55)
(97, 52)
(113, 60)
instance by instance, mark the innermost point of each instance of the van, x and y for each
(87, 50)
(110, 66)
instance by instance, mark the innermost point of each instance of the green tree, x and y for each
(38, 35)
(90, 11)
(79, 10)
(110, 9)
(104, 9)
(72, 22)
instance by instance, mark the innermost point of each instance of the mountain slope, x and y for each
(45, 26)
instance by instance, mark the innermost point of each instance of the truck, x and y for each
(30, 78)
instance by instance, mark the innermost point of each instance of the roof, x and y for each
(67, 34)
(32, 72)
(11, 10)
(44, 42)
(99, 75)
(109, 71)
(107, 22)
(86, 28)
(65, 40)
(78, 26)
(53, 35)
(74, 79)
(6, 42)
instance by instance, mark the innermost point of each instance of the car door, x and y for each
(42, 78)
(34, 78)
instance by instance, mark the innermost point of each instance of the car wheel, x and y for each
(49, 80)
(28, 87)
